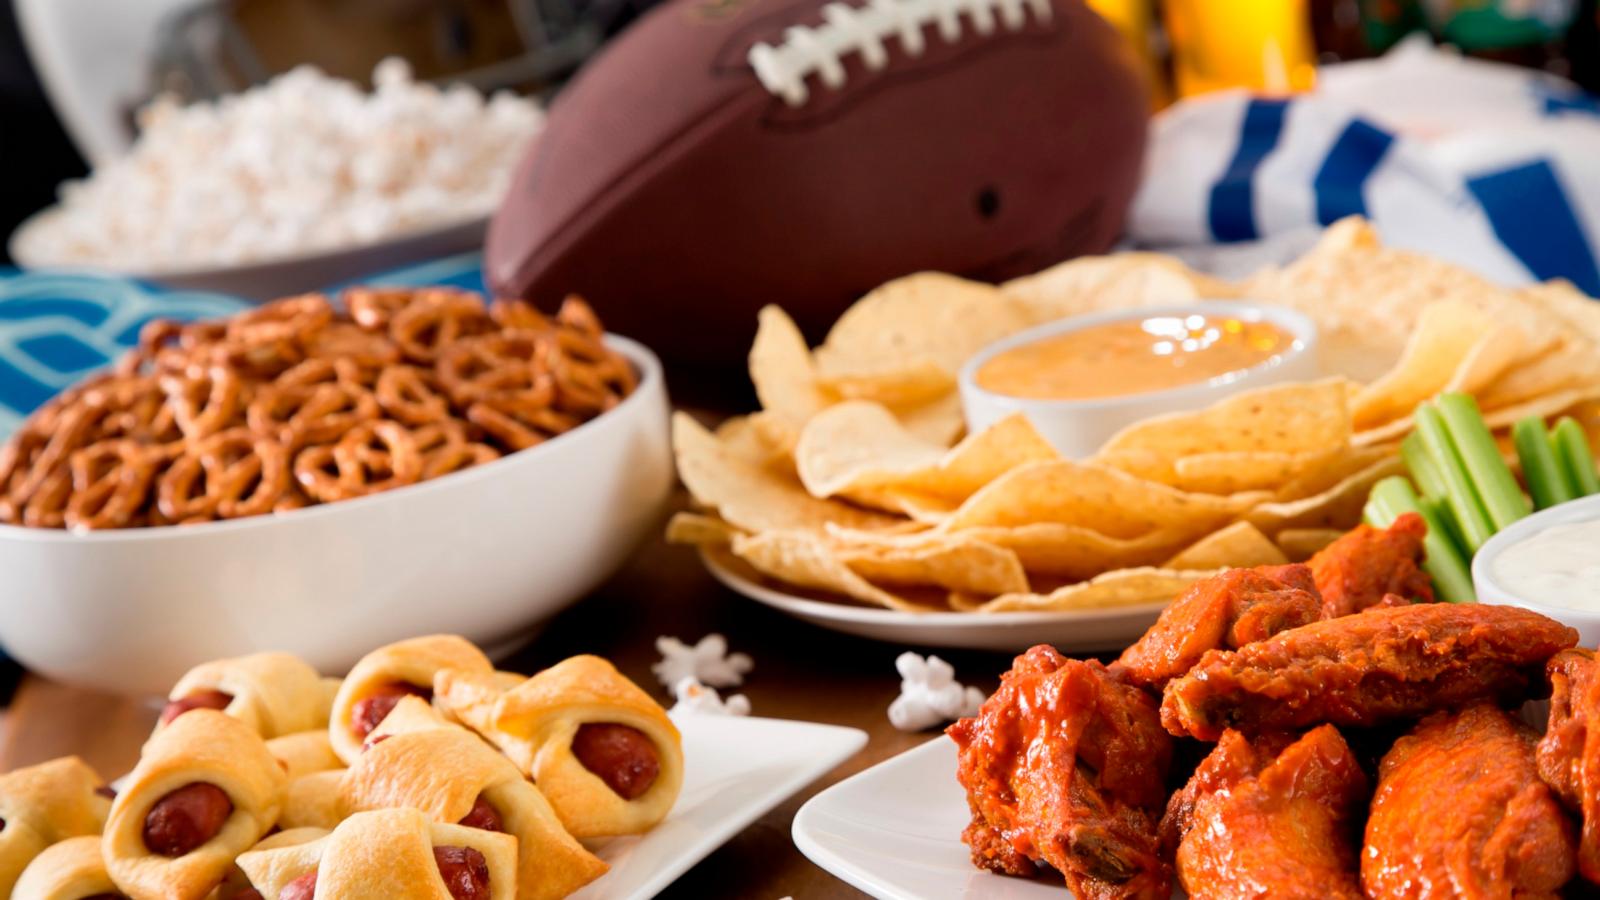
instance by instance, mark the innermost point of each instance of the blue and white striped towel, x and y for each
(1492, 167)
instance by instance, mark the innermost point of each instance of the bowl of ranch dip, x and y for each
(1549, 563)
(1082, 379)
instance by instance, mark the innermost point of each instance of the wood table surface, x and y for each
(801, 672)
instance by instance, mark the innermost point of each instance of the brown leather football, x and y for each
(726, 154)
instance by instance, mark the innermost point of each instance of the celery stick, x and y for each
(1572, 447)
(1502, 498)
(1546, 477)
(1429, 482)
(1476, 527)
(1452, 580)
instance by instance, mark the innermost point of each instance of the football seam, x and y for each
(806, 50)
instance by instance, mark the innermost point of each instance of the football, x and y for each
(721, 155)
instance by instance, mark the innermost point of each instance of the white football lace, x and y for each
(804, 50)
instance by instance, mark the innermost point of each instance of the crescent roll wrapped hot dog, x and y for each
(305, 752)
(448, 773)
(391, 854)
(389, 673)
(42, 805)
(274, 693)
(205, 790)
(599, 748)
(70, 870)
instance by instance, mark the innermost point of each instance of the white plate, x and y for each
(1076, 631)
(267, 279)
(894, 831)
(737, 769)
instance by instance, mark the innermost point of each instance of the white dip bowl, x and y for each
(1491, 582)
(1078, 428)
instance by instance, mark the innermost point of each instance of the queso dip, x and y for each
(1556, 567)
(1132, 356)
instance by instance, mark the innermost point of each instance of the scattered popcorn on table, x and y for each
(302, 163)
(930, 694)
(708, 661)
(694, 697)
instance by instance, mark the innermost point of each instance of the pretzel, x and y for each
(435, 320)
(372, 308)
(293, 404)
(371, 457)
(109, 483)
(405, 393)
(301, 414)
(508, 368)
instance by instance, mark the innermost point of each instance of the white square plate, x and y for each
(736, 769)
(894, 831)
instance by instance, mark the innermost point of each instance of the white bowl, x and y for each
(1078, 428)
(269, 279)
(487, 553)
(1486, 582)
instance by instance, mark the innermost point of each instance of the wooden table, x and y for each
(801, 672)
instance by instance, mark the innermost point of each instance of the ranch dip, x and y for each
(1556, 567)
(1133, 356)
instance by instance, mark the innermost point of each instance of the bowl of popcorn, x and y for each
(318, 474)
(291, 186)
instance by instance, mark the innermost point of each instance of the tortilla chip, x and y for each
(1284, 418)
(700, 530)
(1300, 544)
(900, 385)
(1245, 470)
(808, 560)
(920, 319)
(1337, 507)
(1105, 500)
(1119, 281)
(957, 564)
(1054, 550)
(1124, 587)
(861, 451)
(1239, 545)
(1367, 298)
(755, 497)
(1454, 346)
(782, 370)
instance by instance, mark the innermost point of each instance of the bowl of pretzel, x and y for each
(320, 473)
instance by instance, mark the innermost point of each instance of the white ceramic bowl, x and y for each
(269, 279)
(1486, 581)
(1078, 428)
(487, 553)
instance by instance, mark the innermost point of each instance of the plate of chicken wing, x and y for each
(1323, 730)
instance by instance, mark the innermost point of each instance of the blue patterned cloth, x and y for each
(56, 328)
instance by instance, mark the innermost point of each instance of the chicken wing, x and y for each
(1569, 753)
(1380, 666)
(1359, 570)
(1229, 610)
(1460, 812)
(1065, 765)
(1275, 817)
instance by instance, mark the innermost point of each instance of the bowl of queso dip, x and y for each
(1082, 379)
(1548, 563)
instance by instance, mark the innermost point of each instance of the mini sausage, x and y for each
(302, 888)
(465, 872)
(484, 816)
(622, 756)
(198, 700)
(370, 711)
(186, 818)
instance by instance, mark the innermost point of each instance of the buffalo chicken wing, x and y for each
(1373, 566)
(1066, 765)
